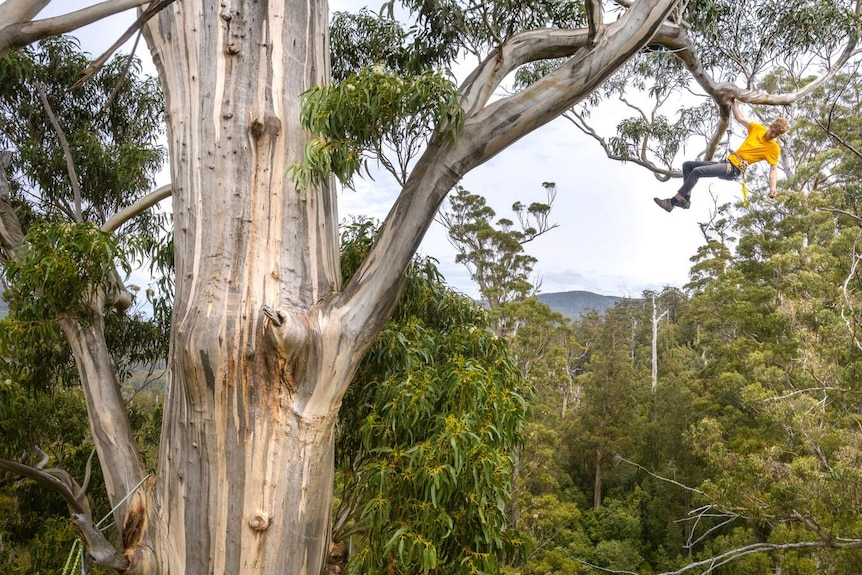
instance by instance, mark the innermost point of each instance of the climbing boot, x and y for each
(666, 204)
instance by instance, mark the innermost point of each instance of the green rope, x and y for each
(69, 568)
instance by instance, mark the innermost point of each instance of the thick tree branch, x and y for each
(372, 293)
(521, 48)
(594, 19)
(509, 119)
(20, 11)
(136, 208)
(17, 28)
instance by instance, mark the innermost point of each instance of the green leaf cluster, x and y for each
(352, 120)
(112, 124)
(58, 269)
(425, 446)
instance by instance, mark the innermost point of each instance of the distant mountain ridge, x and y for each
(574, 304)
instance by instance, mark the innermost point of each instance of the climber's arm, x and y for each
(773, 181)
(737, 113)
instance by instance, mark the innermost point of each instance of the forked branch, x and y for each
(61, 482)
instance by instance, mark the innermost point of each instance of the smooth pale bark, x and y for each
(17, 27)
(258, 364)
(111, 431)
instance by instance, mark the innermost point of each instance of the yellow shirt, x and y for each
(756, 147)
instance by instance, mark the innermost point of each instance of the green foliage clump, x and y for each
(426, 442)
(58, 269)
(357, 116)
(112, 124)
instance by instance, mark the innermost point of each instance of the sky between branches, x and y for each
(612, 239)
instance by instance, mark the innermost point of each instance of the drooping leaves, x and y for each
(356, 118)
(425, 446)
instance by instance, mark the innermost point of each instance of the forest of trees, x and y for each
(330, 405)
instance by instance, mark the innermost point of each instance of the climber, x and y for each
(760, 144)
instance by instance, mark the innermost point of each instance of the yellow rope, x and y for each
(744, 193)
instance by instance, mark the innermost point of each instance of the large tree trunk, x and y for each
(246, 462)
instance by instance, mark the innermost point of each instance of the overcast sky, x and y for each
(611, 237)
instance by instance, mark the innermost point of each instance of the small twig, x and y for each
(605, 569)
(118, 85)
(843, 213)
(619, 457)
(809, 389)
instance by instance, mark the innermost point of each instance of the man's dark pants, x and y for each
(693, 171)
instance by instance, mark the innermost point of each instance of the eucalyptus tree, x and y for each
(63, 180)
(266, 337)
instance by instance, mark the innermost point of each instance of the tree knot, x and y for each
(259, 521)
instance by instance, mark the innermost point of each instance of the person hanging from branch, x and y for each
(760, 144)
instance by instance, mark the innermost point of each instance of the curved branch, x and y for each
(56, 480)
(136, 208)
(662, 174)
(675, 39)
(521, 48)
(17, 28)
(500, 124)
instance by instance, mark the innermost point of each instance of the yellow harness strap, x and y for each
(743, 166)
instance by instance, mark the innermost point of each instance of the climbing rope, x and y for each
(75, 554)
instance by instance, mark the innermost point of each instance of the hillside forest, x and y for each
(714, 427)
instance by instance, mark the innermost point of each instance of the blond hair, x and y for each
(780, 125)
